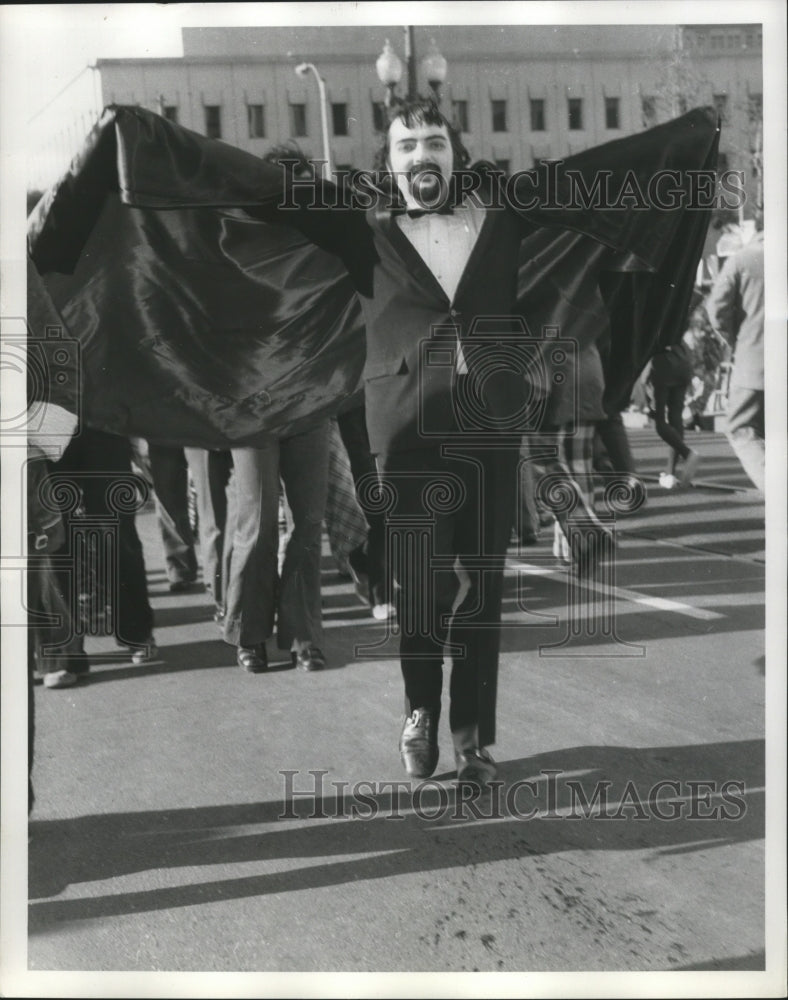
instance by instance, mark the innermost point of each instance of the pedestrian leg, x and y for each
(170, 475)
(746, 432)
(304, 469)
(253, 510)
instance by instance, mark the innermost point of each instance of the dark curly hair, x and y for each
(420, 111)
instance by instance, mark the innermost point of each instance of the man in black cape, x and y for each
(228, 300)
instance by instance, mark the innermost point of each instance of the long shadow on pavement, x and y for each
(716, 799)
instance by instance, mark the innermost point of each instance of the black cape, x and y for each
(203, 315)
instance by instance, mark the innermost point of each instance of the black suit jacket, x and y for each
(412, 329)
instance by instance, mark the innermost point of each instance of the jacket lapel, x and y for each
(386, 226)
(477, 254)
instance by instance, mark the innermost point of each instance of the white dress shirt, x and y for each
(445, 243)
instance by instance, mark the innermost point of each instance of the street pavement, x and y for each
(163, 837)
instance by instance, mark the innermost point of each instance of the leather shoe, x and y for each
(253, 659)
(475, 766)
(418, 743)
(309, 658)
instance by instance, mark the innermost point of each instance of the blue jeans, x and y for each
(255, 598)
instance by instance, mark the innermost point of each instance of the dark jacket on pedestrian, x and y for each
(672, 367)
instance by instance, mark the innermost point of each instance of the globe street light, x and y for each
(302, 69)
(390, 69)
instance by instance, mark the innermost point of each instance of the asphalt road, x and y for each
(628, 833)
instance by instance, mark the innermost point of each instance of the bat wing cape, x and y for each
(205, 315)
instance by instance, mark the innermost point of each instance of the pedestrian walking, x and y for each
(256, 599)
(670, 376)
(169, 473)
(735, 309)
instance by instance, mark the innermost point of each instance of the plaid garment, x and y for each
(345, 522)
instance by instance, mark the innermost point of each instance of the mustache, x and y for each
(422, 168)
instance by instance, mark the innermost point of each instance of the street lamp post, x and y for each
(389, 68)
(435, 66)
(302, 69)
(410, 60)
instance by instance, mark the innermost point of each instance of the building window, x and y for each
(537, 115)
(503, 165)
(648, 107)
(721, 106)
(213, 121)
(575, 114)
(460, 109)
(256, 115)
(298, 120)
(379, 118)
(170, 112)
(611, 112)
(499, 116)
(339, 119)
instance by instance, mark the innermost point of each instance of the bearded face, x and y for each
(421, 158)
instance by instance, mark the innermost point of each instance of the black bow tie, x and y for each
(416, 213)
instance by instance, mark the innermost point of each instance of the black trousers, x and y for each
(170, 475)
(353, 430)
(668, 420)
(449, 516)
(612, 452)
(98, 465)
